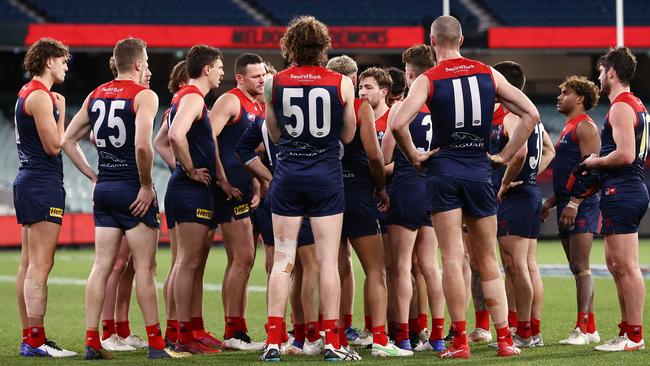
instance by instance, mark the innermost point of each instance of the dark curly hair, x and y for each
(306, 41)
(584, 88)
(42, 50)
(178, 75)
(622, 61)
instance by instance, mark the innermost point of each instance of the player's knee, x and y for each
(244, 261)
(577, 268)
(284, 258)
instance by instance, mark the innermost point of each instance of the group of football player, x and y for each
(440, 155)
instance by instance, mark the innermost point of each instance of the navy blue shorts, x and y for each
(407, 203)
(263, 224)
(586, 218)
(476, 198)
(169, 217)
(111, 209)
(189, 201)
(293, 202)
(36, 203)
(227, 211)
(622, 206)
(519, 218)
(360, 218)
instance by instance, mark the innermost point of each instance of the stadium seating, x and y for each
(197, 12)
(10, 14)
(566, 13)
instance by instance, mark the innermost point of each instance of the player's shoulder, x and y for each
(32, 86)
(184, 91)
(457, 67)
(123, 89)
(631, 100)
(307, 76)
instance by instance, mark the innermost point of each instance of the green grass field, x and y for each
(65, 320)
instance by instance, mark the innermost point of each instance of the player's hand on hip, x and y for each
(546, 211)
(505, 188)
(146, 197)
(423, 157)
(384, 201)
(497, 160)
(568, 218)
(201, 175)
(230, 191)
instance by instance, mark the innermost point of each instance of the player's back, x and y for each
(199, 136)
(421, 130)
(249, 113)
(461, 100)
(356, 174)
(633, 171)
(112, 115)
(309, 109)
(35, 165)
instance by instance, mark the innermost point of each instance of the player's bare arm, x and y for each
(518, 103)
(406, 112)
(79, 128)
(517, 161)
(39, 105)
(224, 110)
(59, 102)
(349, 120)
(162, 145)
(146, 106)
(189, 109)
(368, 135)
(621, 117)
(271, 119)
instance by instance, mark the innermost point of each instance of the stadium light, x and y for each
(445, 7)
(619, 23)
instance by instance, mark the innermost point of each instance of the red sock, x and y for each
(92, 339)
(379, 335)
(122, 329)
(197, 324)
(635, 333)
(230, 327)
(391, 330)
(512, 318)
(482, 319)
(171, 333)
(25, 334)
(622, 328)
(413, 325)
(343, 339)
(274, 330)
(423, 320)
(460, 328)
(591, 323)
(154, 336)
(367, 322)
(299, 332)
(535, 326)
(185, 332)
(347, 321)
(583, 321)
(312, 331)
(243, 325)
(401, 332)
(108, 328)
(37, 336)
(285, 335)
(437, 329)
(523, 329)
(331, 333)
(503, 335)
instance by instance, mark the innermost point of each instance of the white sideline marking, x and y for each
(68, 281)
(547, 270)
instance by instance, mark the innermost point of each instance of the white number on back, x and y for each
(459, 102)
(292, 110)
(112, 122)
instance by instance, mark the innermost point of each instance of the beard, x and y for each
(605, 88)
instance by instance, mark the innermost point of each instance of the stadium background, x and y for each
(548, 40)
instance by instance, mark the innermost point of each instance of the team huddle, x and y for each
(442, 155)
